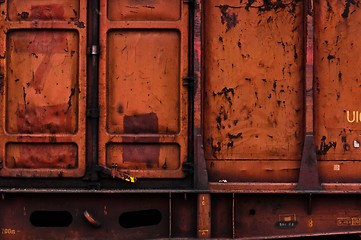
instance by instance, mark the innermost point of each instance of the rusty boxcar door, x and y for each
(337, 90)
(143, 105)
(253, 112)
(42, 73)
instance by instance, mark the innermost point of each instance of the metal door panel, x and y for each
(43, 89)
(253, 96)
(337, 89)
(143, 105)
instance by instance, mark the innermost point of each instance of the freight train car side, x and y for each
(153, 119)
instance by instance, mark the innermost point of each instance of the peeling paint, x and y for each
(228, 18)
(348, 4)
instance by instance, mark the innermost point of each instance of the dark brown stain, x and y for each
(227, 93)
(295, 55)
(45, 156)
(141, 123)
(45, 119)
(222, 116)
(72, 93)
(267, 5)
(234, 136)
(148, 6)
(346, 11)
(120, 109)
(330, 57)
(23, 15)
(215, 147)
(142, 153)
(142, 2)
(346, 146)
(228, 18)
(47, 12)
(325, 147)
(77, 22)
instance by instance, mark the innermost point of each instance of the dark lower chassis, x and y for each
(156, 214)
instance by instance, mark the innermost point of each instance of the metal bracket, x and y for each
(201, 174)
(116, 173)
(309, 178)
(92, 50)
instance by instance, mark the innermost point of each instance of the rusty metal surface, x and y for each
(164, 216)
(128, 216)
(337, 89)
(43, 89)
(143, 116)
(253, 110)
(280, 216)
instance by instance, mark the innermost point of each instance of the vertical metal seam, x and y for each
(92, 90)
(190, 144)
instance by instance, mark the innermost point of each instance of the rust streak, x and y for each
(72, 93)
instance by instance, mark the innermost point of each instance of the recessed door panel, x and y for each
(42, 124)
(144, 105)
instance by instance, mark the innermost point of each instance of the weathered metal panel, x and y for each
(144, 58)
(44, 10)
(138, 216)
(295, 215)
(163, 216)
(42, 44)
(144, 10)
(253, 110)
(337, 89)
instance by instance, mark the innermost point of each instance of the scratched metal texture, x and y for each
(42, 49)
(126, 216)
(337, 89)
(165, 216)
(144, 57)
(253, 90)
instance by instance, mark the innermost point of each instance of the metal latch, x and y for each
(93, 49)
(116, 173)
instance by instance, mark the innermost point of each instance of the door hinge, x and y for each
(188, 81)
(114, 172)
(92, 50)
